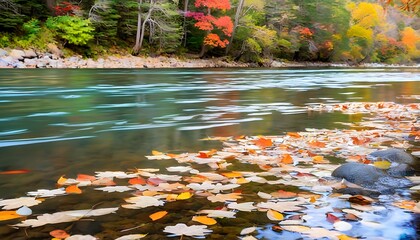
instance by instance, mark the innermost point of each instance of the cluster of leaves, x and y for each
(296, 160)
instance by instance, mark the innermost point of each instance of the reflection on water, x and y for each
(56, 122)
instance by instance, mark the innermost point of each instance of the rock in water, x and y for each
(402, 161)
(393, 155)
(370, 177)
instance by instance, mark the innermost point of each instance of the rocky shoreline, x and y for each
(29, 58)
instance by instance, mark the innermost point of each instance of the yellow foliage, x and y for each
(367, 15)
(358, 31)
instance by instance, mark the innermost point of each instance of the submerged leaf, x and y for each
(61, 234)
(8, 215)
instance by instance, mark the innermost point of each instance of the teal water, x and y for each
(56, 122)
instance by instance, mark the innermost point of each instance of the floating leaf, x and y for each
(345, 237)
(224, 197)
(283, 194)
(232, 174)
(342, 226)
(274, 215)
(204, 220)
(287, 159)
(8, 215)
(60, 234)
(246, 206)
(158, 215)
(66, 216)
(61, 180)
(114, 189)
(73, 189)
(264, 195)
(19, 202)
(85, 177)
(361, 200)
(142, 202)
(184, 196)
(247, 231)
(332, 218)
(132, 237)
(137, 180)
(382, 164)
(193, 231)
(218, 213)
(47, 193)
(263, 142)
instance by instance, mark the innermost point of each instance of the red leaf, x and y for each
(331, 218)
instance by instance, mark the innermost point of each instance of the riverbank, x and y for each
(54, 59)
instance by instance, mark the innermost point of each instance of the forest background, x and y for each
(254, 31)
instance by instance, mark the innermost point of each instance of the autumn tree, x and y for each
(215, 27)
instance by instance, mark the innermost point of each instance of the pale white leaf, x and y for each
(48, 193)
(132, 237)
(182, 229)
(218, 213)
(264, 195)
(142, 202)
(342, 226)
(179, 169)
(116, 174)
(114, 189)
(247, 231)
(245, 207)
(81, 237)
(19, 202)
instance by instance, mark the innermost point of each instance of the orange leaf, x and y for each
(104, 182)
(85, 177)
(317, 144)
(204, 220)
(73, 189)
(283, 194)
(158, 215)
(137, 180)
(263, 142)
(10, 172)
(172, 155)
(60, 234)
(294, 134)
(360, 140)
(287, 159)
(7, 215)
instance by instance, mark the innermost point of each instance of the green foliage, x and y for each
(32, 27)
(73, 29)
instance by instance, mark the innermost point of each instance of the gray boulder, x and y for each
(401, 161)
(393, 155)
(17, 54)
(29, 53)
(3, 52)
(370, 177)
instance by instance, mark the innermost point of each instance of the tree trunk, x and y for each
(50, 4)
(184, 40)
(137, 46)
(236, 23)
(204, 47)
(149, 14)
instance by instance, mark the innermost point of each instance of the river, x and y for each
(66, 121)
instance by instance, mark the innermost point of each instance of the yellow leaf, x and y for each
(232, 174)
(158, 215)
(184, 195)
(156, 153)
(7, 215)
(204, 220)
(171, 197)
(345, 237)
(274, 215)
(241, 180)
(382, 164)
(312, 200)
(61, 180)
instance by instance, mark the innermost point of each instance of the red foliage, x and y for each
(66, 8)
(209, 22)
(225, 24)
(305, 32)
(214, 40)
(213, 4)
